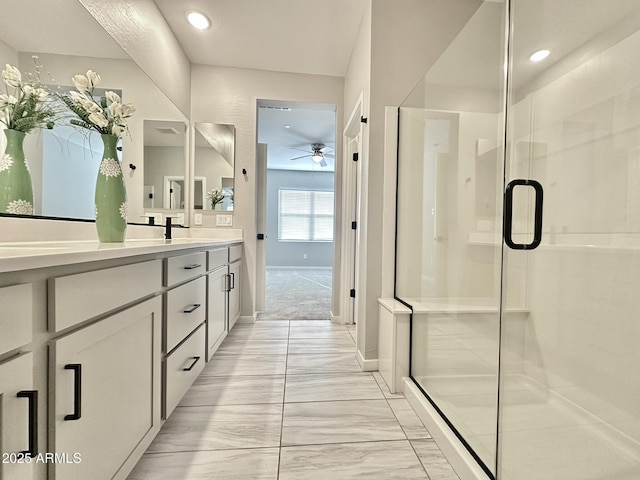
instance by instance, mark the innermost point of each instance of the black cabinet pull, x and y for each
(192, 266)
(32, 395)
(193, 364)
(227, 282)
(77, 393)
(192, 308)
(508, 215)
(233, 280)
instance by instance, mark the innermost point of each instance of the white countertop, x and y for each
(30, 255)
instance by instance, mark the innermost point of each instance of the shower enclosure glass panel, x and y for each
(569, 385)
(448, 253)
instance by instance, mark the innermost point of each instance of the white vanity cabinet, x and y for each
(185, 336)
(218, 282)
(18, 417)
(97, 347)
(105, 406)
(235, 274)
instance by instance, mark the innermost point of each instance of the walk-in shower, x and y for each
(518, 238)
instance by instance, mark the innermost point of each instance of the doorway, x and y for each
(298, 202)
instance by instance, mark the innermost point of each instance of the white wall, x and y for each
(140, 29)
(407, 37)
(230, 95)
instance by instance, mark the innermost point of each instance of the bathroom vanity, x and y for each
(98, 345)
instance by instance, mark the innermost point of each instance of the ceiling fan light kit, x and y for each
(317, 154)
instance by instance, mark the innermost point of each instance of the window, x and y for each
(305, 216)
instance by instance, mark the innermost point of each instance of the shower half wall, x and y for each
(518, 238)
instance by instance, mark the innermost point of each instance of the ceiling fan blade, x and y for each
(323, 163)
(300, 149)
(328, 155)
(325, 148)
(298, 158)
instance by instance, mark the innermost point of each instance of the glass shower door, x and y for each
(569, 402)
(449, 224)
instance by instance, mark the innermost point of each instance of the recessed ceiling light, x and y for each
(287, 126)
(198, 20)
(539, 55)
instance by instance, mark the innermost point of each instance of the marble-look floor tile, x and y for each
(321, 345)
(245, 365)
(408, 419)
(383, 386)
(367, 461)
(321, 332)
(235, 390)
(314, 324)
(433, 460)
(322, 363)
(219, 428)
(334, 386)
(273, 331)
(252, 346)
(335, 422)
(250, 463)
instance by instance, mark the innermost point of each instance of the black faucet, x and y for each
(167, 229)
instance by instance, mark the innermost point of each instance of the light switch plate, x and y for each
(224, 220)
(197, 219)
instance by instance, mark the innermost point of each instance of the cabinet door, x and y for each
(216, 309)
(15, 376)
(106, 405)
(234, 293)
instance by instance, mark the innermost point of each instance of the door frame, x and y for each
(352, 194)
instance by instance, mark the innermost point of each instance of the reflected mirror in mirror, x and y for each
(164, 166)
(214, 166)
(64, 161)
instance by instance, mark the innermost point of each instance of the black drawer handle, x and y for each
(32, 395)
(192, 266)
(193, 364)
(77, 391)
(192, 308)
(233, 280)
(508, 215)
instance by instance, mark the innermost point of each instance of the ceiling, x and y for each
(309, 124)
(300, 36)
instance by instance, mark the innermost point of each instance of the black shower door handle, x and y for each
(508, 215)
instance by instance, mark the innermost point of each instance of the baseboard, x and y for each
(247, 319)
(335, 318)
(459, 457)
(367, 365)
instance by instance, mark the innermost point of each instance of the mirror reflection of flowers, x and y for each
(26, 105)
(107, 114)
(215, 196)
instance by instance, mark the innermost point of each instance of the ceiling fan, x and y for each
(317, 153)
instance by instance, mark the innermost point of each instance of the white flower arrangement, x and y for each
(26, 105)
(215, 196)
(107, 115)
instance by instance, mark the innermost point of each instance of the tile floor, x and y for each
(287, 400)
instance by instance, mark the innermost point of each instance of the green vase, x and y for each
(16, 190)
(111, 196)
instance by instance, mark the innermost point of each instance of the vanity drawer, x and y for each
(16, 320)
(186, 309)
(217, 258)
(79, 297)
(182, 367)
(184, 267)
(235, 253)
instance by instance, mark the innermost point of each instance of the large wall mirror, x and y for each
(214, 166)
(165, 185)
(64, 161)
